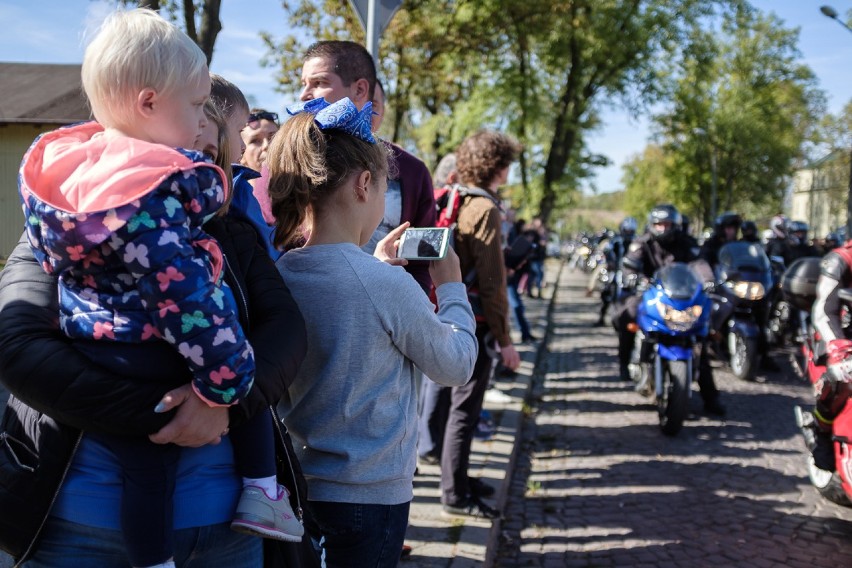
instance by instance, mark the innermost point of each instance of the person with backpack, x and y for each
(482, 163)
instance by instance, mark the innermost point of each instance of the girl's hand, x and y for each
(387, 247)
(446, 269)
(195, 424)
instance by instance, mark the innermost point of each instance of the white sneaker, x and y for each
(259, 515)
(496, 396)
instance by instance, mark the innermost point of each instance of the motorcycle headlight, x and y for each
(680, 320)
(747, 290)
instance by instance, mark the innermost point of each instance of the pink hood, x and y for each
(82, 169)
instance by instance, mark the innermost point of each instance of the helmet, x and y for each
(749, 230)
(727, 219)
(832, 240)
(797, 232)
(666, 215)
(628, 227)
(778, 225)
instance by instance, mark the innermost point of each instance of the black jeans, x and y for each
(465, 407)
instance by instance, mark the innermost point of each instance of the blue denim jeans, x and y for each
(69, 545)
(354, 535)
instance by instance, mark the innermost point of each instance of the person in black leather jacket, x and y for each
(57, 393)
(798, 245)
(663, 244)
(835, 386)
(725, 229)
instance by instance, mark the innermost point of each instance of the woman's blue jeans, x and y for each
(354, 535)
(69, 545)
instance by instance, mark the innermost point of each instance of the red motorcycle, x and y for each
(836, 486)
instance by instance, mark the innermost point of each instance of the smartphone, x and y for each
(427, 243)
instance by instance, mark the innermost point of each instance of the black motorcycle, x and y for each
(740, 303)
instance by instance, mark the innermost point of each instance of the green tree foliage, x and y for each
(745, 104)
(645, 181)
(539, 69)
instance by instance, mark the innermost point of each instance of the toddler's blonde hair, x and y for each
(135, 50)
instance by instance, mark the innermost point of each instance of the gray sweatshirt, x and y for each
(352, 409)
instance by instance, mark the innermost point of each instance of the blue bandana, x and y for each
(342, 115)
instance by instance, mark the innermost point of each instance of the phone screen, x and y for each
(424, 243)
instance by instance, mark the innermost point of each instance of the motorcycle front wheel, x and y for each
(828, 484)
(673, 405)
(743, 355)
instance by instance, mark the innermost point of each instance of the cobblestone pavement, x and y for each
(597, 484)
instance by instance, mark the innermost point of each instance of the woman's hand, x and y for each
(387, 247)
(195, 424)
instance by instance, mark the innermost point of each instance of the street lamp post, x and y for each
(830, 12)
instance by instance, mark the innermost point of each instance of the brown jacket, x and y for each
(479, 246)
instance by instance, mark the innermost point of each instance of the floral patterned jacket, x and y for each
(119, 221)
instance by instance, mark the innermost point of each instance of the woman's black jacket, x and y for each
(56, 392)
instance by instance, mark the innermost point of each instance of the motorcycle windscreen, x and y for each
(679, 281)
(742, 256)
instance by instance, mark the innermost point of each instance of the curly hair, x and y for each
(482, 155)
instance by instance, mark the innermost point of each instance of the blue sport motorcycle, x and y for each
(672, 317)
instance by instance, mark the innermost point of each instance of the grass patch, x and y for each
(455, 530)
(533, 487)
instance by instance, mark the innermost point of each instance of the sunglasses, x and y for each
(255, 118)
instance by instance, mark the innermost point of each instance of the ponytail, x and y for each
(306, 164)
(296, 162)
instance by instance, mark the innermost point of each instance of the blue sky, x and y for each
(54, 34)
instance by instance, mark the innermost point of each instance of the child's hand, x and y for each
(446, 269)
(386, 248)
(195, 424)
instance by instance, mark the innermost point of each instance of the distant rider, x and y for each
(615, 250)
(663, 244)
(798, 244)
(749, 232)
(776, 245)
(831, 242)
(726, 229)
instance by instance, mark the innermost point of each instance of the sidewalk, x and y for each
(444, 542)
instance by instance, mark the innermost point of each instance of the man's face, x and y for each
(320, 80)
(662, 227)
(730, 233)
(256, 141)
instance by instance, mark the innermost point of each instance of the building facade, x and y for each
(34, 98)
(820, 192)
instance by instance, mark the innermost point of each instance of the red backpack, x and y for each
(448, 201)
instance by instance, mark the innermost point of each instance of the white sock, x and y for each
(268, 484)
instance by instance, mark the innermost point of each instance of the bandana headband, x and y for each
(341, 115)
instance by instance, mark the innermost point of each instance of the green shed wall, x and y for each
(14, 141)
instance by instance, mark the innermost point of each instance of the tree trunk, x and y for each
(211, 25)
